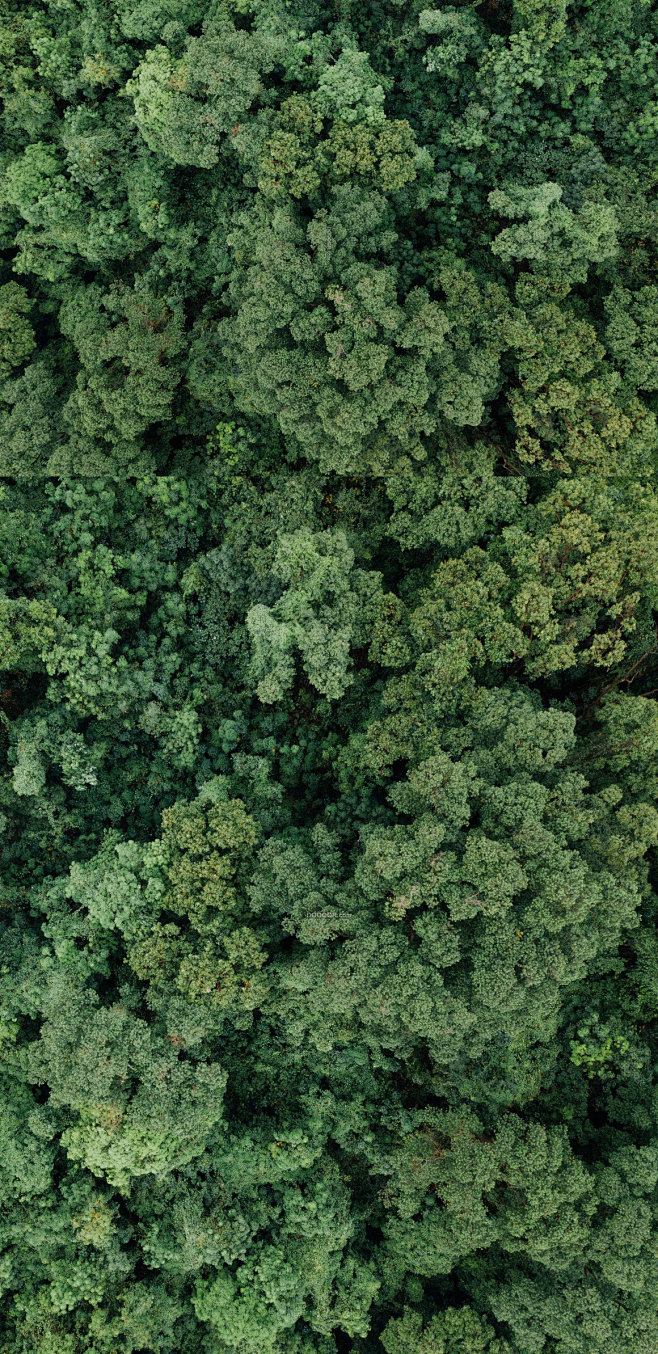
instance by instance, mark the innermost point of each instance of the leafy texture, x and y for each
(328, 595)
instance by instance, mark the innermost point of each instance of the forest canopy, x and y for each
(328, 704)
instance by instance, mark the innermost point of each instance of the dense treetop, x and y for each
(329, 556)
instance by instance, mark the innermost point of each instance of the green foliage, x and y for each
(328, 596)
(457, 1330)
(326, 609)
(183, 107)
